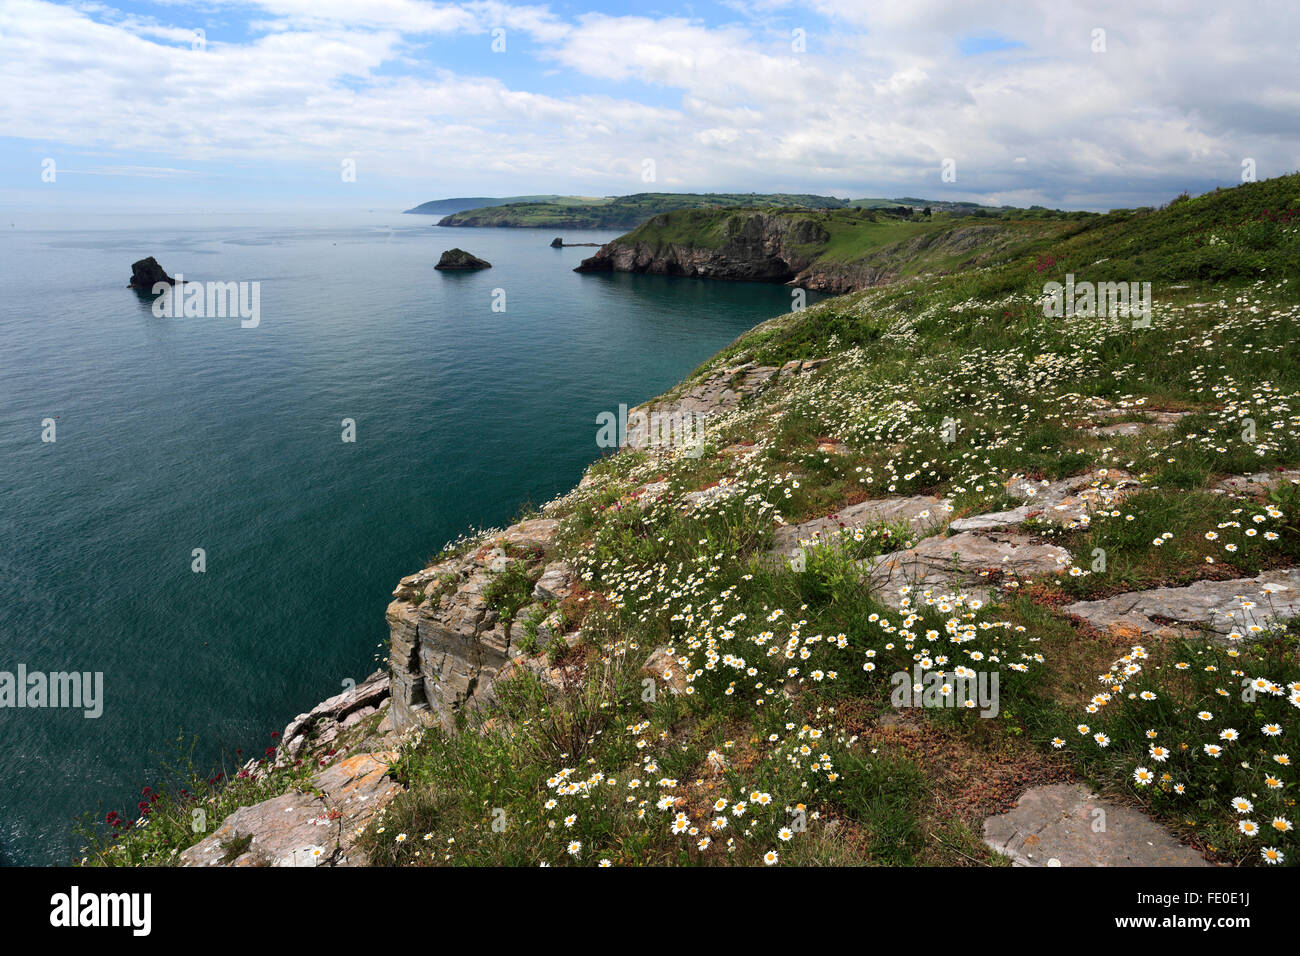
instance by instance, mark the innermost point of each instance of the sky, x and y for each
(388, 103)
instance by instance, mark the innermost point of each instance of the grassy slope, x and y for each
(788, 748)
(974, 346)
(901, 247)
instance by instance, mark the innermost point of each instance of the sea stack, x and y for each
(146, 273)
(557, 243)
(459, 259)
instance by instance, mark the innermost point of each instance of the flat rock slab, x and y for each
(992, 521)
(1067, 502)
(530, 534)
(1121, 430)
(556, 582)
(720, 491)
(1257, 484)
(923, 513)
(1163, 421)
(302, 829)
(1065, 824)
(955, 562)
(725, 388)
(1216, 605)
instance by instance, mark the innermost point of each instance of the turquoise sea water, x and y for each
(177, 434)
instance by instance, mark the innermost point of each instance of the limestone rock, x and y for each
(533, 534)
(955, 563)
(992, 521)
(717, 393)
(343, 709)
(663, 667)
(1162, 421)
(923, 513)
(1056, 825)
(556, 582)
(759, 247)
(445, 655)
(1258, 484)
(1216, 605)
(302, 829)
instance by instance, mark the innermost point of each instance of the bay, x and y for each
(176, 434)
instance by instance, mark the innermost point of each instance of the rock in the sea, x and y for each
(557, 243)
(146, 273)
(460, 259)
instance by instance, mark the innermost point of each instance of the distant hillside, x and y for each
(623, 212)
(829, 250)
(628, 212)
(445, 207)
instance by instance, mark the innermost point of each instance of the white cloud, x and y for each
(879, 99)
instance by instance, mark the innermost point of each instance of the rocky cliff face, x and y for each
(755, 246)
(449, 643)
(773, 247)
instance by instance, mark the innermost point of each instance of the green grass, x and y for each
(787, 672)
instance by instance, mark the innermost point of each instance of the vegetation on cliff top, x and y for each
(781, 747)
(885, 243)
(770, 735)
(626, 212)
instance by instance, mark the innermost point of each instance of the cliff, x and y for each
(828, 251)
(943, 571)
(751, 246)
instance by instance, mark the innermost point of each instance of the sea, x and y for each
(212, 512)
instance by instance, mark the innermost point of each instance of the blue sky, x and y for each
(1065, 104)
